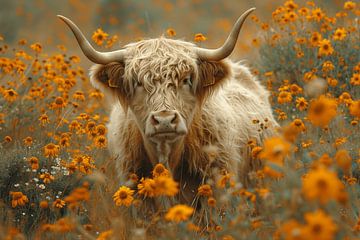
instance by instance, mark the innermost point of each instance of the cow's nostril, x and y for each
(154, 121)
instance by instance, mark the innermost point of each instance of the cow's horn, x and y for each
(226, 49)
(89, 51)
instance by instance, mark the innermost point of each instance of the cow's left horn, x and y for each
(229, 45)
(89, 51)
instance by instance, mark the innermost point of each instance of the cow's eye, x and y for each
(188, 81)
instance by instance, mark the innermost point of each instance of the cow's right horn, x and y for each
(89, 51)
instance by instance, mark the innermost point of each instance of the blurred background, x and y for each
(36, 21)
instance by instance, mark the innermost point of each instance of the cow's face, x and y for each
(162, 83)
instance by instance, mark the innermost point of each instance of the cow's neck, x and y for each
(167, 153)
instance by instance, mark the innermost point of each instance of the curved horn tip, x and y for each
(61, 17)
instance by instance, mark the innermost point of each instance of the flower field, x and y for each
(58, 181)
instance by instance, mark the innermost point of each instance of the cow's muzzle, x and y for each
(166, 124)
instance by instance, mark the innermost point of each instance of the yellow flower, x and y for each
(10, 95)
(47, 177)
(170, 32)
(58, 203)
(355, 79)
(28, 141)
(18, 199)
(166, 186)
(100, 141)
(325, 47)
(160, 170)
(224, 180)
(205, 190)
(332, 81)
(179, 213)
(123, 196)
(349, 5)
(343, 160)
(322, 110)
(100, 129)
(284, 97)
(340, 34)
(44, 119)
(319, 226)
(8, 139)
(301, 103)
(354, 108)
(51, 150)
(315, 39)
(79, 95)
(321, 184)
(317, 14)
(147, 187)
(291, 230)
(58, 103)
(34, 162)
(99, 36)
(275, 150)
(36, 47)
(44, 204)
(199, 37)
(328, 66)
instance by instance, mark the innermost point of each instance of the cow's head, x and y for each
(162, 81)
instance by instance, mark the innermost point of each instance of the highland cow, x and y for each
(187, 107)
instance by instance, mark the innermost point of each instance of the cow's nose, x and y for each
(164, 120)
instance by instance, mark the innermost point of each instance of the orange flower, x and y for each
(317, 14)
(100, 142)
(99, 36)
(51, 150)
(58, 203)
(284, 97)
(340, 34)
(179, 213)
(322, 110)
(319, 226)
(315, 39)
(160, 170)
(199, 37)
(349, 5)
(343, 160)
(34, 162)
(44, 204)
(170, 32)
(166, 186)
(291, 230)
(325, 47)
(123, 196)
(28, 141)
(147, 187)
(205, 190)
(36, 47)
(44, 119)
(355, 108)
(355, 79)
(10, 95)
(47, 177)
(321, 184)
(58, 103)
(18, 199)
(275, 150)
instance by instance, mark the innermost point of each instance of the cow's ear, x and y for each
(211, 76)
(109, 79)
